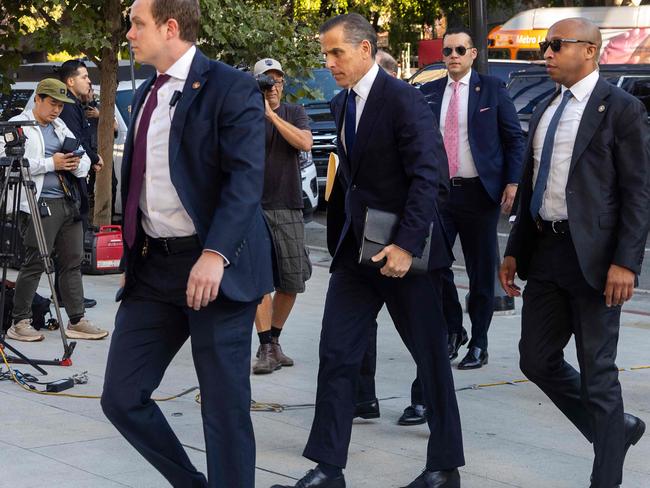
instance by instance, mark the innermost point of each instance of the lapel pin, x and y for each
(601, 109)
(478, 88)
(196, 84)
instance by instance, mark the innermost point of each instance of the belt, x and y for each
(557, 227)
(171, 245)
(457, 181)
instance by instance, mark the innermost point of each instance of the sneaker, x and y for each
(23, 331)
(266, 362)
(280, 356)
(84, 329)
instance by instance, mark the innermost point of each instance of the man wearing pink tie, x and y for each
(484, 145)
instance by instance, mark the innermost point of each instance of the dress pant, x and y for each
(366, 391)
(151, 325)
(558, 303)
(473, 216)
(356, 294)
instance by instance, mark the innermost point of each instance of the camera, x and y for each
(14, 138)
(265, 82)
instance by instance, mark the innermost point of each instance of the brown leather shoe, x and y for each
(281, 357)
(266, 362)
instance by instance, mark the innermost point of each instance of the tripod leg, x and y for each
(23, 358)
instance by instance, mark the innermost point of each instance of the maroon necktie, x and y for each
(139, 163)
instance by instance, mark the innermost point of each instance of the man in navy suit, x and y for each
(484, 145)
(579, 238)
(389, 147)
(197, 253)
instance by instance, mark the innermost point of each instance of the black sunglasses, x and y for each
(556, 44)
(460, 50)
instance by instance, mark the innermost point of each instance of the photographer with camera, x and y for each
(287, 133)
(54, 171)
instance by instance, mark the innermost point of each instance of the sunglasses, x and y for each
(460, 50)
(556, 44)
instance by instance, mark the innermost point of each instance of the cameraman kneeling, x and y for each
(53, 173)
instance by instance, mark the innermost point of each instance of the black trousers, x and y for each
(354, 298)
(558, 304)
(472, 215)
(151, 325)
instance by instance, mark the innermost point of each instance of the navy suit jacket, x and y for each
(394, 167)
(608, 190)
(216, 159)
(495, 136)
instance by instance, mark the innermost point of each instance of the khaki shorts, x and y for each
(293, 267)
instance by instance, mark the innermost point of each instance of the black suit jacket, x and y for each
(216, 163)
(395, 166)
(607, 193)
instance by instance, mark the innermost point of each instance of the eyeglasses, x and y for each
(556, 44)
(460, 50)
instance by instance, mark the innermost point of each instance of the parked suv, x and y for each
(321, 121)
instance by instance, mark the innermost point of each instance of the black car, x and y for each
(531, 86)
(323, 88)
(496, 67)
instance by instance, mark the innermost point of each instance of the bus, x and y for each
(625, 31)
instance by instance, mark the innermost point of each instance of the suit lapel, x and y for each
(195, 82)
(435, 98)
(369, 116)
(591, 119)
(474, 95)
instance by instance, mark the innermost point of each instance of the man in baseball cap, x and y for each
(54, 88)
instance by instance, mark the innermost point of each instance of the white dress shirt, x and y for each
(554, 200)
(163, 214)
(362, 89)
(466, 166)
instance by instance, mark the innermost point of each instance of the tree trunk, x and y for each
(108, 84)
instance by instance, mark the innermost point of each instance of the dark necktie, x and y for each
(545, 160)
(139, 162)
(350, 122)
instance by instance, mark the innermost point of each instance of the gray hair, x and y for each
(355, 28)
(386, 61)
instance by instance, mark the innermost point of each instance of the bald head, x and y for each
(574, 54)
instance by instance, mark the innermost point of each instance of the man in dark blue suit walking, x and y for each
(389, 147)
(484, 145)
(197, 253)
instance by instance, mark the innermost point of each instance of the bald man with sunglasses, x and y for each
(578, 240)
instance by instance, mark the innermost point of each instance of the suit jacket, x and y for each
(394, 167)
(495, 136)
(607, 193)
(216, 158)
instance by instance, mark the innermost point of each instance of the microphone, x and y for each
(176, 96)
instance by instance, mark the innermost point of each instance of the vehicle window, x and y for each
(322, 84)
(427, 75)
(528, 91)
(639, 87)
(13, 103)
(123, 100)
(499, 53)
(529, 54)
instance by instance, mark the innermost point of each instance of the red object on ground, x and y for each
(103, 250)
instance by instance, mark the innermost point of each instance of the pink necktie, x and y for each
(451, 130)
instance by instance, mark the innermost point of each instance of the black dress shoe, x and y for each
(88, 302)
(475, 358)
(455, 341)
(367, 410)
(315, 478)
(634, 430)
(413, 415)
(437, 479)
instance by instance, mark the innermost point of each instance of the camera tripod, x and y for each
(15, 178)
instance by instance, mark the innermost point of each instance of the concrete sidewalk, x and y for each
(514, 437)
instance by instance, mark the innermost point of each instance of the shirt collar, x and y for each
(181, 68)
(584, 87)
(363, 86)
(463, 81)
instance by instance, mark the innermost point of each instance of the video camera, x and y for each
(15, 138)
(265, 82)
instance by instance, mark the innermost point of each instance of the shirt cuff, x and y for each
(225, 259)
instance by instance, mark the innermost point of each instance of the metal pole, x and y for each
(478, 27)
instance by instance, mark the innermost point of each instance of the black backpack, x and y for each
(40, 309)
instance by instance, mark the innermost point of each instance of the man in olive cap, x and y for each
(53, 170)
